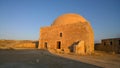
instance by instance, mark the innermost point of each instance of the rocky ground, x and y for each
(39, 59)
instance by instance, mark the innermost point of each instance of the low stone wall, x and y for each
(25, 45)
(18, 44)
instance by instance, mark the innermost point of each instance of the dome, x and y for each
(69, 19)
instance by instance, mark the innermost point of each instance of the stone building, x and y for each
(68, 33)
(109, 45)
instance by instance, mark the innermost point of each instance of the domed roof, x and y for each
(69, 19)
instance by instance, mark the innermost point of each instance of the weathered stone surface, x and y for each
(80, 48)
(25, 45)
(65, 31)
(109, 45)
(18, 44)
(68, 19)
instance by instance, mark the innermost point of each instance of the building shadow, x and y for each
(71, 47)
(36, 44)
(36, 58)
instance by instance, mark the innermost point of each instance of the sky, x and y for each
(22, 19)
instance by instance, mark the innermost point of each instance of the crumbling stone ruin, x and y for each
(18, 44)
(68, 33)
(109, 45)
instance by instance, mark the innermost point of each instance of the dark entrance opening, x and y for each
(111, 43)
(119, 42)
(60, 34)
(58, 45)
(45, 44)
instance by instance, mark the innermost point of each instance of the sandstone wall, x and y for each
(18, 44)
(25, 45)
(80, 48)
(71, 33)
(109, 45)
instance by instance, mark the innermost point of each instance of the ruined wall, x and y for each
(18, 44)
(71, 33)
(109, 45)
(80, 48)
(25, 45)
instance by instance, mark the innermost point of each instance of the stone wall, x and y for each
(80, 48)
(18, 44)
(109, 45)
(25, 45)
(71, 33)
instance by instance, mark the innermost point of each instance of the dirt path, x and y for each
(37, 59)
(105, 61)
